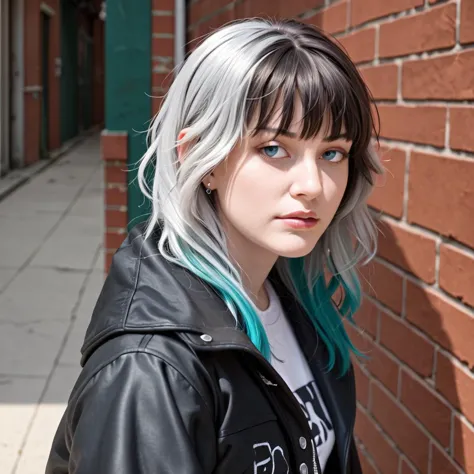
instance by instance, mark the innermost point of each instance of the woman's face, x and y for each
(278, 195)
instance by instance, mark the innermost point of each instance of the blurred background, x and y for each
(79, 81)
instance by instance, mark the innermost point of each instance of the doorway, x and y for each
(45, 39)
(69, 74)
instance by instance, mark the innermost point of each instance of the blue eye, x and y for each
(334, 156)
(271, 150)
(274, 151)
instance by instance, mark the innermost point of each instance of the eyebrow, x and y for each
(287, 133)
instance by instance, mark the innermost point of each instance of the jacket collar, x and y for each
(144, 293)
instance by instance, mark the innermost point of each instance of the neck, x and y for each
(254, 264)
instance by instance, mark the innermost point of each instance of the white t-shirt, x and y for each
(288, 360)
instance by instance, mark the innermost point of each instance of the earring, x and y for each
(208, 190)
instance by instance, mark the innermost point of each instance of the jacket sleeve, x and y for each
(139, 415)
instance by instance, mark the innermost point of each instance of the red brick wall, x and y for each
(33, 77)
(114, 153)
(416, 391)
(33, 74)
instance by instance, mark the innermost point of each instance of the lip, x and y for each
(300, 220)
(300, 215)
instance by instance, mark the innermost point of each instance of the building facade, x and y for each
(52, 76)
(415, 391)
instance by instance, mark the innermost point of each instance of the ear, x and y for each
(182, 149)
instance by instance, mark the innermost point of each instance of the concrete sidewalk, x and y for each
(51, 271)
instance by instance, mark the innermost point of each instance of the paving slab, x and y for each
(38, 442)
(6, 275)
(41, 294)
(51, 271)
(72, 245)
(71, 354)
(16, 416)
(21, 236)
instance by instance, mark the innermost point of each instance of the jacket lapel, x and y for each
(338, 392)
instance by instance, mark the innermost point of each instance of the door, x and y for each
(69, 73)
(85, 77)
(44, 143)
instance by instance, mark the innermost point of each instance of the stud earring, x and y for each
(208, 190)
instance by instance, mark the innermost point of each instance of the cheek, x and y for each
(244, 182)
(335, 186)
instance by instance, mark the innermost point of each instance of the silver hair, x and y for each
(236, 75)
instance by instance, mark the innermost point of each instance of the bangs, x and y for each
(328, 94)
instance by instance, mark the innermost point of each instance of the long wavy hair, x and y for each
(234, 79)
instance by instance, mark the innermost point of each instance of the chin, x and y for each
(294, 249)
(295, 253)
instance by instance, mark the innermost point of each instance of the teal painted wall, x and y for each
(128, 85)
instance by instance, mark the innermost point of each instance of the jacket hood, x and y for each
(144, 293)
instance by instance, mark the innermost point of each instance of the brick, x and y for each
(376, 361)
(382, 81)
(360, 45)
(156, 103)
(116, 174)
(114, 145)
(383, 368)
(389, 196)
(406, 468)
(382, 452)
(366, 464)
(461, 125)
(289, 9)
(163, 4)
(406, 344)
(401, 428)
(456, 384)
(440, 462)
(400, 122)
(218, 19)
(162, 24)
(116, 196)
(456, 273)
(383, 284)
(113, 240)
(332, 19)
(463, 443)
(161, 80)
(467, 22)
(362, 384)
(367, 317)
(116, 218)
(365, 10)
(446, 77)
(427, 407)
(449, 208)
(447, 325)
(162, 46)
(408, 248)
(427, 31)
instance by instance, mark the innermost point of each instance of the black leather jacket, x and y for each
(170, 386)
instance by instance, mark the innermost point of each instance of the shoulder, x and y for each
(163, 358)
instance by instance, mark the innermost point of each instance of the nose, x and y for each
(307, 180)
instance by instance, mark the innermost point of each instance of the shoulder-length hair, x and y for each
(233, 80)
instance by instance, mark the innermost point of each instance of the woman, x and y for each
(217, 344)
